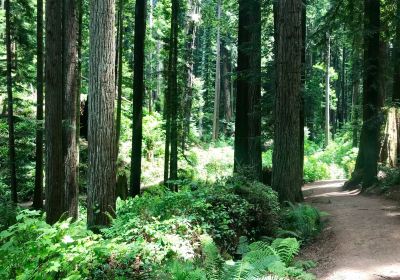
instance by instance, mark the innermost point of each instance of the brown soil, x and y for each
(361, 240)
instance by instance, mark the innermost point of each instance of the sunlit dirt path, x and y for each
(361, 240)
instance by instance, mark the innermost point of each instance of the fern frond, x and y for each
(287, 248)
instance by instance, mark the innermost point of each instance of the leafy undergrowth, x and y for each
(201, 232)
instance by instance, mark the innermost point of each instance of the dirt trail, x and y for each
(361, 240)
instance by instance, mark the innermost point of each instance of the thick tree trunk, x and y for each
(119, 73)
(11, 136)
(38, 192)
(70, 65)
(367, 160)
(138, 95)
(55, 193)
(396, 57)
(102, 154)
(217, 99)
(286, 175)
(248, 101)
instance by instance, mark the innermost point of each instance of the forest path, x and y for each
(361, 240)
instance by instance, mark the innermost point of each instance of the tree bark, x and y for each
(38, 192)
(10, 117)
(174, 97)
(286, 174)
(327, 91)
(248, 101)
(119, 73)
(367, 160)
(70, 71)
(55, 194)
(102, 136)
(138, 89)
(396, 57)
(217, 99)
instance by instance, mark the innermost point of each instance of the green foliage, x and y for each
(262, 260)
(8, 214)
(301, 221)
(32, 249)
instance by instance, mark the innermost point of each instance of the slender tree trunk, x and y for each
(226, 85)
(188, 99)
(327, 91)
(55, 194)
(174, 97)
(102, 136)
(119, 70)
(11, 136)
(138, 89)
(38, 192)
(286, 172)
(70, 66)
(150, 62)
(217, 99)
(248, 102)
(343, 89)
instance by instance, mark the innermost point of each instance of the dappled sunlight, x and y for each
(375, 272)
(338, 193)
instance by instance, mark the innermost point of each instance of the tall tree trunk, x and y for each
(327, 91)
(343, 89)
(396, 57)
(248, 102)
(226, 85)
(217, 99)
(138, 89)
(38, 192)
(286, 172)
(174, 97)
(188, 99)
(55, 193)
(119, 70)
(367, 160)
(11, 137)
(102, 154)
(70, 66)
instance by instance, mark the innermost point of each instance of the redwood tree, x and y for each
(287, 173)
(101, 135)
(248, 100)
(70, 106)
(38, 192)
(138, 94)
(53, 120)
(11, 136)
(366, 168)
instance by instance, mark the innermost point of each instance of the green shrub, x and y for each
(301, 221)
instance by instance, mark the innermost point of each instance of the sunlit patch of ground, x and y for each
(362, 238)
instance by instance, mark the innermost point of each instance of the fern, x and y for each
(265, 261)
(213, 261)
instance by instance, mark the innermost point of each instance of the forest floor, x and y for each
(361, 238)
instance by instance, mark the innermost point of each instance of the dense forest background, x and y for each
(186, 111)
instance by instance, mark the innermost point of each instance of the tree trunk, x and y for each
(70, 67)
(102, 154)
(327, 91)
(174, 97)
(11, 136)
(286, 175)
(226, 85)
(396, 57)
(138, 89)
(188, 99)
(248, 101)
(217, 99)
(38, 192)
(55, 193)
(119, 70)
(367, 160)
